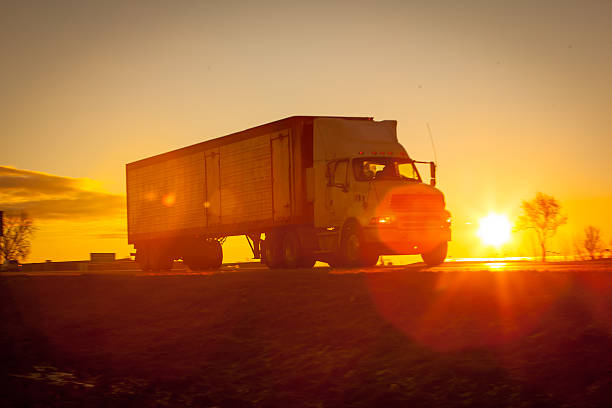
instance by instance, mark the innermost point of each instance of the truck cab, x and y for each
(370, 198)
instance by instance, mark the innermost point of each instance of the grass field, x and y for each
(308, 339)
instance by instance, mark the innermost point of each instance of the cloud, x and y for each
(46, 196)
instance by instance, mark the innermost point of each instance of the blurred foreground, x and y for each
(517, 334)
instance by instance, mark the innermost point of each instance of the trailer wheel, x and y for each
(143, 259)
(291, 250)
(307, 261)
(161, 260)
(192, 261)
(333, 261)
(166, 263)
(215, 254)
(272, 251)
(262, 252)
(195, 255)
(202, 255)
(437, 255)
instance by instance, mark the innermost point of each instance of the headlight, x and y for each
(449, 218)
(384, 220)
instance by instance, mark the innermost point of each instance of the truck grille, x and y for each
(417, 203)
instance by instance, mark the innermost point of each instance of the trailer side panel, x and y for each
(167, 195)
(246, 181)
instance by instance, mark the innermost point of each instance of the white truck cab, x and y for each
(369, 197)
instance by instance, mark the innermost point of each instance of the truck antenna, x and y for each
(433, 147)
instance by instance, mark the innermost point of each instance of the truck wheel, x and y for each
(192, 262)
(215, 255)
(202, 255)
(162, 261)
(334, 261)
(353, 251)
(196, 255)
(307, 261)
(437, 255)
(307, 257)
(291, 250)
(369, 258)
(143, 259)
(351, 245)
(166, 263)
(351, 248)
(262, 252)
(272, 252)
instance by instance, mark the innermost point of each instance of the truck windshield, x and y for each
(385, 168)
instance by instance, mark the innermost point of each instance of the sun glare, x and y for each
(494, 230)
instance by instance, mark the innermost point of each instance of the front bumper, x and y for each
(389, 240)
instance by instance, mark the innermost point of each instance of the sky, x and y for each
(518, 96)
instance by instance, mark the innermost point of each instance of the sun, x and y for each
(494, 230)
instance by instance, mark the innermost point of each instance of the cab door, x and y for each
(337, 197)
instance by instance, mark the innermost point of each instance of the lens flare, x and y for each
(494, 230)
(169, 199)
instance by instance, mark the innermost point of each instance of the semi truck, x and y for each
(340, 190)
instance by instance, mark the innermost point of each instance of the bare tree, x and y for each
(543, 215)
(592, 240)
(578, 248)
(18, 231)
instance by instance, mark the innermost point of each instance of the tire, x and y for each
(353, 252)
(292, 252)
(334, 261)
(162, 261)
(166, 263)
(272, 251)
(192, 262)
(437, 255)
(143, 259)
(262, 252)
(350, 246)
(194, 256)
(307, 262)
(204, 255)
(307, 257)
(154, 258)
(369, 258)
(215, 252)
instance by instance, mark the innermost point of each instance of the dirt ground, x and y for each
(308, 338)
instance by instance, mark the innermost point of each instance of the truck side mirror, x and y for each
(432, 173)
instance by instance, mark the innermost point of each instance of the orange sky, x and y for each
(518, 96)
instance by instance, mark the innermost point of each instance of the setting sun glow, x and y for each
(494, 230)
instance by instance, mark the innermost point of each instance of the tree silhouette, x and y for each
(543, 215)
(18, 231)
(592, 240)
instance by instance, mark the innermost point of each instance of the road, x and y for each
(131, 268)
(486, 334)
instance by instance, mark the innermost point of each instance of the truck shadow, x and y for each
(416, 267)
